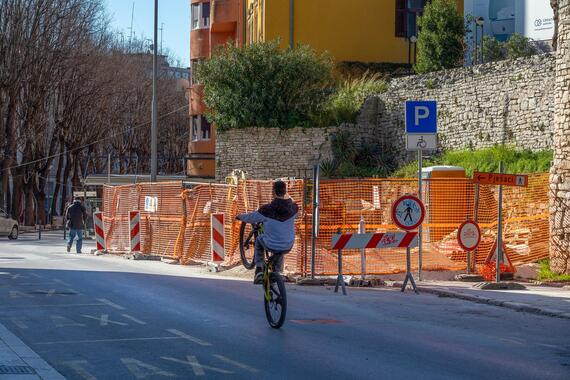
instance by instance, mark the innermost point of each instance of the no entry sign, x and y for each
(469, 236)
(408, 212)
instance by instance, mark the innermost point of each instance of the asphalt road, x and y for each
(109, 318)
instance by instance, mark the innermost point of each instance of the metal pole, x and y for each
(315, 218)
(420, 229)
(109, 169)
(153, 132)
(500, 229)
(474, 58)
(482, 35)
(361, 230)
(476, 216)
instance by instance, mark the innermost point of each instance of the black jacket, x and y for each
(76, 216)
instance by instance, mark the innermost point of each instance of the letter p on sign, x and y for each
(421, 117)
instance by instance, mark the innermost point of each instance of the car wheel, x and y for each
(14, 233)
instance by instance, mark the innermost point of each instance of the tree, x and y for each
(518, 46)
(493, 49)
(440, 38)
(260, 85)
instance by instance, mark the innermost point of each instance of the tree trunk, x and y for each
(30, 205)
(53, 208)
(64, 182)
(560, 171)
(554, 4)
(18, 192)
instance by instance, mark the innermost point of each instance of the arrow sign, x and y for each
(500, 179)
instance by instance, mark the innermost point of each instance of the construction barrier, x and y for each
(217, 242)
(99, 231)
(135, 230)
(178, 224)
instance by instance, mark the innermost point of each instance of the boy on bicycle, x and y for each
(278, 218)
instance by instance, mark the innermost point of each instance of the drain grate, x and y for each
(16, 370)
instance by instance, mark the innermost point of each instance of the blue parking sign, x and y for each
(421, 117)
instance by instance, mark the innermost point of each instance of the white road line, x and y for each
(50, 292)
(109, 340)
(19, 322)
(134, 319)
(77, 366)
(188, 337)
(36, 275)
(104, 320)
(61, 282)
(236, 363)
(61, 321)
(54, 305)
(17, 275)
(142, 370)
(109, 303)
(196, 366)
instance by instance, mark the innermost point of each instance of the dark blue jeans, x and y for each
(259, 257)
(72, 235)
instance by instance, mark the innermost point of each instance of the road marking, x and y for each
(77, 366)
(134, 319)
(196, 366)
(61, 321)
(189, 337)
(104, 320)
(236, 363)
(142, 370)
(60, 305)
(109, 303)
(16, 276)
(109, 340)
(61, 282)
(36, 275)
(50, 292)
(19, 322)
(18, 294)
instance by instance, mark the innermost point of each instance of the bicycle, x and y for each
(275, 295)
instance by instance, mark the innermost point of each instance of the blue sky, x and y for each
(175, 14)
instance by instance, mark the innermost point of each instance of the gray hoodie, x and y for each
(278, 218)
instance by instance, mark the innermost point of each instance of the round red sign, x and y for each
(469, 235)
(408, 212)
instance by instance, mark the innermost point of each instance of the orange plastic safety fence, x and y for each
(180, 227)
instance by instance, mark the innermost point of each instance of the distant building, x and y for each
(375, 31)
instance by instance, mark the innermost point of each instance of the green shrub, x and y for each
(261, 85)
(493, 49)
(518, 46)
(486, 160)
(345, 103)
(545, 274)
(440, 41)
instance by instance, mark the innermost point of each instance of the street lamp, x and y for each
(479, 23)
(154, 126)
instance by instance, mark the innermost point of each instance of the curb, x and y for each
(517, 306)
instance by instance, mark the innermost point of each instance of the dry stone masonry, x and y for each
(508, 102)
(560, 172)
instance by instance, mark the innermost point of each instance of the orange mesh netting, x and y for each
(181, 226)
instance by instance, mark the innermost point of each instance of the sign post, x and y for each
(421, 134)
(469, 237)
(408, 213)
(501, 180)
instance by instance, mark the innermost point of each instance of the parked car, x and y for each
(8, 226)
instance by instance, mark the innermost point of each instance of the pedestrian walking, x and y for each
(76, 216)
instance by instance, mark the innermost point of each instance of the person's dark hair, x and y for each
(279, 188)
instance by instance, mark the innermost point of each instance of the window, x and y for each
(407, 12)
(200, 15)
(201, 128)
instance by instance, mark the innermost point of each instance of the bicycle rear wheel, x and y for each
(246, 245)
(276, 305)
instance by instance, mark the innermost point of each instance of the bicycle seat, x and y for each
(274, 252)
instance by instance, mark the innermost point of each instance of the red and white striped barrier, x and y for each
(375, 240)
(135, 230)
(99, 230)
(217, 238)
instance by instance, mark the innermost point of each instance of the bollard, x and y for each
(361, 230)
(340, 278)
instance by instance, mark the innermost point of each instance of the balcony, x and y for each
(200, 43)
(224, 15)
(197, 106)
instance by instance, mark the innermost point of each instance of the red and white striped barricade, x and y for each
(374, 240)
(217, 238)
(135, 230)
(99, 231)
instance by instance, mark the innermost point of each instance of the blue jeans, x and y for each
(72, 235)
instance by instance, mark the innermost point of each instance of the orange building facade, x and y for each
(212, 23)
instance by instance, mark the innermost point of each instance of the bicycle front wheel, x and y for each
(246, 245)
(275, 300)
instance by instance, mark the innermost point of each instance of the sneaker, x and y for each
(258, 279)
(68, 248)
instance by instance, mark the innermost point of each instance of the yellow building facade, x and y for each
(350, 30)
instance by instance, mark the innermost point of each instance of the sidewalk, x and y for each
(541, 300)
(19, 362)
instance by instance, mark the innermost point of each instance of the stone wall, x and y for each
(272, 153)
(508, 102)
(560, 172)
